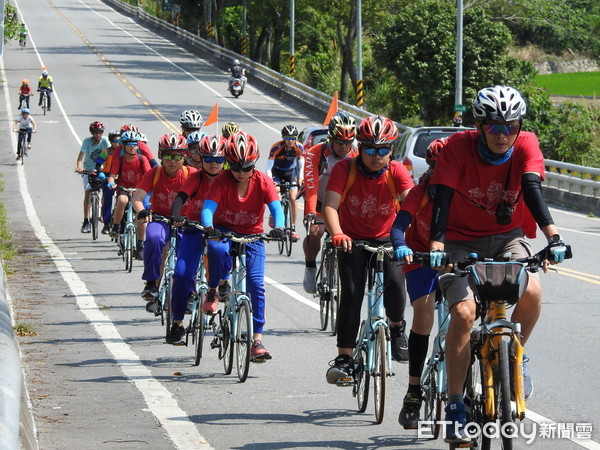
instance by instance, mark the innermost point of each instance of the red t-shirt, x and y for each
(241, 215)
(129, 173)
(25, 90)
(479, 187)
(144, 150)
(165, 190)
(368, 211)
(419, 205)
(196, 187)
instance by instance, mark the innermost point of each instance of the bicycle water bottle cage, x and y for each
(492, 281)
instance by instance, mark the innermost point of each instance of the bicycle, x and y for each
(22, 144)
(199, 321)
(22, 41)
(288, 228)
(372, 354)
(23, 101)
(328, 281)
(166, 279)
(232, 326)
(497, 284)
(95, 182)
(44, 100)
(127, 241)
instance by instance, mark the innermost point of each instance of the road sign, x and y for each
(461, 108)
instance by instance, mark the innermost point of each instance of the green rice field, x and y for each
(578, 83)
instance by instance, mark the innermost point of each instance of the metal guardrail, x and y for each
(575, 179)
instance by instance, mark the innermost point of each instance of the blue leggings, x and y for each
(107, 201)
(157, 235)
(189, 251)
(219, 267)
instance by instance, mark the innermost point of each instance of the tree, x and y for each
(419, 45)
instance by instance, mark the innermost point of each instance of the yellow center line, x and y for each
(579, 275)
(155, 112)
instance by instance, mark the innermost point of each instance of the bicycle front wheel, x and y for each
(199, 332)
(323, 290)
(281, 243)
(166, 307)
(380, 372)
(129, 245)
(243, 340)
(95, 216)
(21, 148)
(227, 345)
(288, 229)
(475, 402)
(45, 103)
(433, 401)
(502, 386)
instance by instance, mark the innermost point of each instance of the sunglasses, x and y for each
(214, 159)
(130, 143)
(377, 151)
(172, 157)
(239, 168)
(506, 130)
(290, 138)
(341, 142)
(115, 142)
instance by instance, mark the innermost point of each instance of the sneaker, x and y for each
(411, 407)
(29, 145)
(295, 237)
(211, 303)
(114, 231)
(153, 307)
(105, 229)
(310, 280)
(455, 430)
(139, 251)
(86, 227)
(527, 381)
(399, 343)
(176, 334)
(340, 368)
(258, 352)
(150, 292)
(224, 290)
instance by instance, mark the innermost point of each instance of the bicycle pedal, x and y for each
(345, 382)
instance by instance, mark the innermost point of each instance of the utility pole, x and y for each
(360, 95)
(459, 108)
(244, 34)
(292, 59)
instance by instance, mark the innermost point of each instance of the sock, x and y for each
(417, 352)
(86, 221)
(455, 398)
(311, 263)
(414, 389)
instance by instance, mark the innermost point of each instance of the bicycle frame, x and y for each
(238, 281)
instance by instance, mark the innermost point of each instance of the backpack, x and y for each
(352, 178)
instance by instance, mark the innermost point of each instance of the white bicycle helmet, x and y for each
(499, 103)
(191, 119)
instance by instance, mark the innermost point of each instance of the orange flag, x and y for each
(333, 108)
(213, 116)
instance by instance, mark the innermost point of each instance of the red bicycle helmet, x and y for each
(172, 142)
(212, 145)
(129, 127)
(377, 130)
(434, 149)
(96, 126)
(242, 149)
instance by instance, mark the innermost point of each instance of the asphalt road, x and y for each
(98, 371)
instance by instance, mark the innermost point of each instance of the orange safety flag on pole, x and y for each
(333, 108)
(213, 116)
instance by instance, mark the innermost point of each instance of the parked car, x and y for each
(312, 136)
(412, 146)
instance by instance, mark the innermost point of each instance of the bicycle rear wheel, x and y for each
(199, 332)
(475, 402)
(380, 372)
(334, 292)
(228, 343)
(502, 388)
(243, 339)
(361, 379)
(433, 401)
(288, 229)
(95, 216)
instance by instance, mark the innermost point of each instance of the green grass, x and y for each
(578, 83)
(7, 250)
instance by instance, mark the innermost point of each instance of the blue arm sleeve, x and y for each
(208, 209)
(403, 220)
(153, 163)
(277, 213)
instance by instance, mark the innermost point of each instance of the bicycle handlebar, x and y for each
(387, 247)
(244, 238)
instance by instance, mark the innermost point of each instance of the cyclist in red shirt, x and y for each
(129, 170)
(483, 181)
(366, 210)
(25, 91)
(236, 202)
(211, 151)
(421, 282)
(319, 162)
(165, 182)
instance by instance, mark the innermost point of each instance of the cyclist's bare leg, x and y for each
(312, 243)
(423, 318)
(86, 205)
(528, 309)
(458, 349)
(120, 208)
